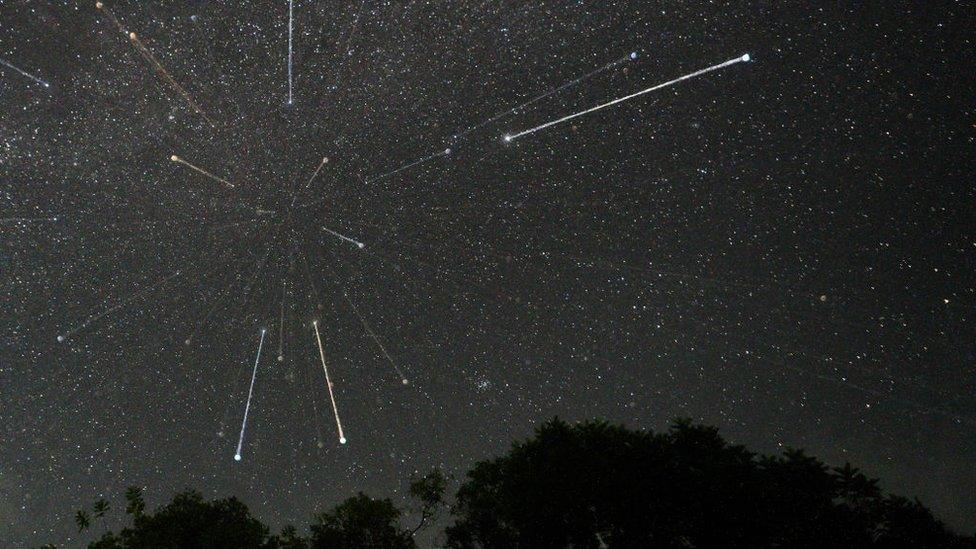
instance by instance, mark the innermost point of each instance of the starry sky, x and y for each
(783, 249)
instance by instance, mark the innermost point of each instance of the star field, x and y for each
(783, 248)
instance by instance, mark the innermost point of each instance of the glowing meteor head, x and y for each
(447, 150)
(237, 457)
(315, 322)
(60, 339)
(98, 5)
(508, 138)
(342, 440)
(746, 57)
(360, 245)
(281, 358)
(264, 330)
(325, 159)
(174, 158)
(132, 36)
(406, 381)
(633, 55)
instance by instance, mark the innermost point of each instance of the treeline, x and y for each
(588, 485)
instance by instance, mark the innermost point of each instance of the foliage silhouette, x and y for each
(588, 485)
(599, 485)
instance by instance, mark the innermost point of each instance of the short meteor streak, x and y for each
(323, 162)
(409, 165)
(142, 49)
(24, 73)
(358, 244)
(742, 59)
(250, 393)
(629, 57)
(64, 337)
(201, 171)
(328, 382)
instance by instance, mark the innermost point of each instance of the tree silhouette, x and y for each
(361, 522)
(589, 485)
(601, 485)
(188, 522)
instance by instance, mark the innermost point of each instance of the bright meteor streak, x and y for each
(358, 244)
(328, 382)
(742, 59)
(250, 393)
(179, 160)
(24, 73)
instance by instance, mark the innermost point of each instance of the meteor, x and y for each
(328, 382)
(29, 220)
(291, 8)
(369, 329)
(179, 160)
(358, 244)
(250, 393)
(64, 337)
(409, 165)
(512, 137)
(148, 56)
(629, 57)
(24, 73)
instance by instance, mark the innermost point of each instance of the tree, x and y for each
(601, 485)
(361, 522)
(187, 522)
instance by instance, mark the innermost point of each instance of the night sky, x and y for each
(783, 248)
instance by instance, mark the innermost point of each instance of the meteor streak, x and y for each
(63, 337)
(629, 57)
(28, 219)
(142, 49)
(24, 73)
(328, 382)
(179, 160)
(742, 59)
(250, 393)
(291, 7)
(358, 244)
(427, 158)
(368, 328)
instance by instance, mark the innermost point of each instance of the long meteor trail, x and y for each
(24, 73)
(629, 57)
(369, 329)
(409, 165)
(201, 171)
(250, 393)
(63, 337)
(291, 9)
(328, 382)
(730, 62)
(358, 244)
(148, 56)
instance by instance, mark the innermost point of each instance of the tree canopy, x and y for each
(590, 484)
